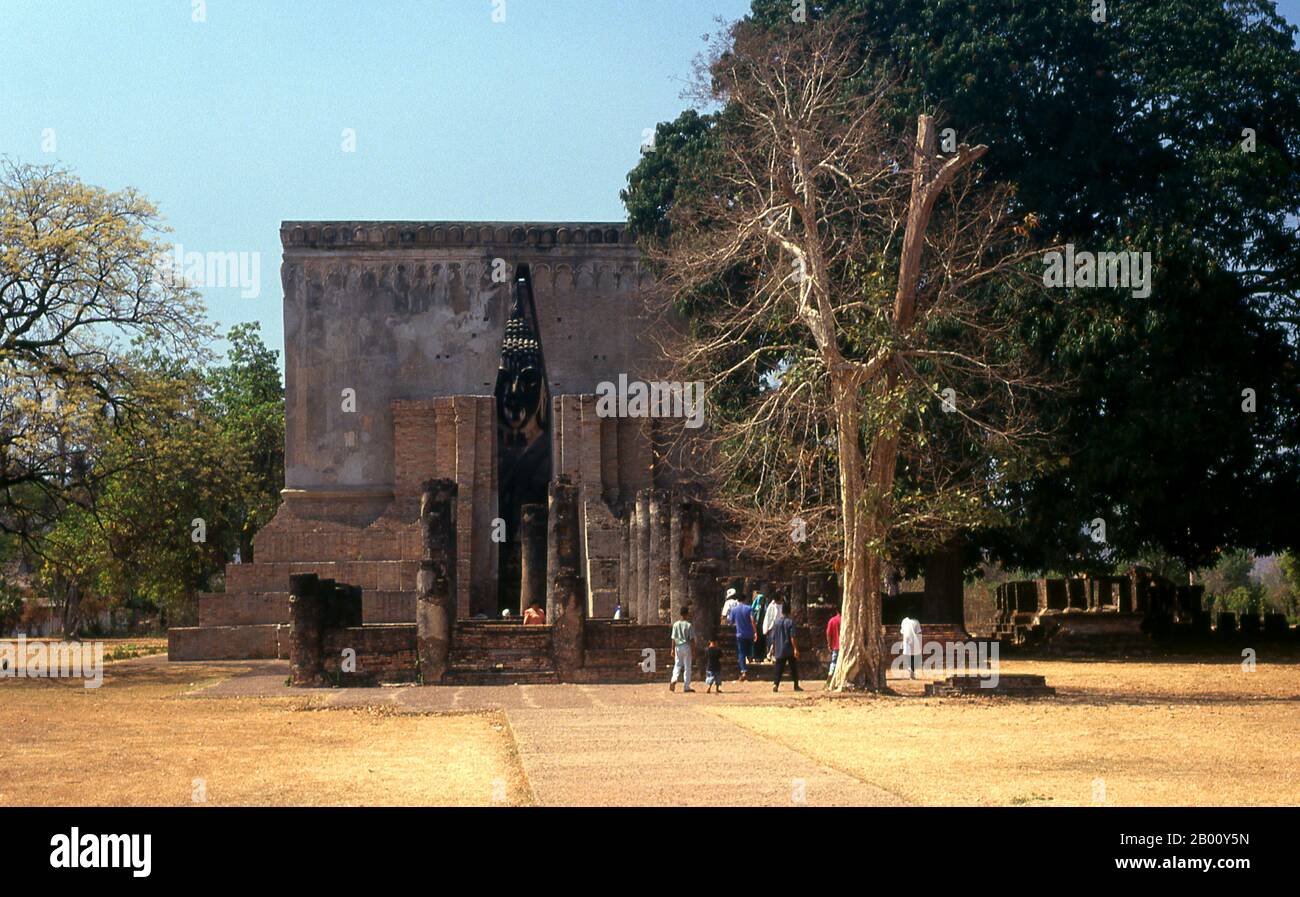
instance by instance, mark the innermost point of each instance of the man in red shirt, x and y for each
(833, 642)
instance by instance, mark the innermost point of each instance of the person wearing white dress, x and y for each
(773, 613)
(911, 632)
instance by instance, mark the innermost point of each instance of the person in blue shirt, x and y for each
(742, 617)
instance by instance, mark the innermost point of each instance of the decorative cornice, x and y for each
(451, 234)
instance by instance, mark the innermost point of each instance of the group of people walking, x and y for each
(763, 629)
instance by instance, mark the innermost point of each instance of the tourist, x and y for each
(784, 649)
(535, 615)
(911, 632)
(833, 642)
(756, 612)
(743, 619)
(727, 605)
(683, 636)
(713, 668)
(773, 613)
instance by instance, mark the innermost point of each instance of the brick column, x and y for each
(561, 534)
(532, 556)
(661, 557)
(706, 608)
(943, 602)
(627, 566)
(647, 610)
(565, 597)
(435, 604)
(306, 634)
(684, 538)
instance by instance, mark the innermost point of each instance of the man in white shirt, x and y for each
(911, 631)
(729, 604)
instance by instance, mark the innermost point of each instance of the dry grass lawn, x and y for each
(138, 741)
(1184, 734)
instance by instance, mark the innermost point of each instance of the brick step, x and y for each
(1017, 685)
(499, 677)
(534, 638)
(499, 661)
(338, 545)
(243, 608)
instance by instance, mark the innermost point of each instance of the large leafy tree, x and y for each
(1173, 128)
(156, 526)
(871, 265)
(78, 280)
(196, 471)
(115, 435)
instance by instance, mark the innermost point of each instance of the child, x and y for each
(713, 668)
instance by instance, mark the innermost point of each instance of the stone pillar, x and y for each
(306, 631)
(684, 538)
(632, 596)
(626, 563)
(565, 599)
(532, 556)
(943, 601)
(561, 534)
(706, 608)
(647, 609)
(660, 557)
(435, 604)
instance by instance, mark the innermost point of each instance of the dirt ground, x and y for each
(1171, 733)
(1192, 732)
(138, 740)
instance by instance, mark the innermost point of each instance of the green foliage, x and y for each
(199, 454)
(248, 404)
(11, 606)
(1123, 135)
(681, 149)
(1289, 563)
(1248, 599)
(77, 279)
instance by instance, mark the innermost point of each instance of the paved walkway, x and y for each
(618, 745)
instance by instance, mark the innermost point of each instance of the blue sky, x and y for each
(236, 123)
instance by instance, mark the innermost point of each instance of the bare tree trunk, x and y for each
(862, 651)
(867, 506)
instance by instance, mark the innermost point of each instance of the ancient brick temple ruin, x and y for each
(445, 463)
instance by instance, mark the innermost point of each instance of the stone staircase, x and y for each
(493, 653)
(1020, 685)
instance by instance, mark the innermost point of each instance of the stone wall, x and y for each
(410, 310)
(262, 642)
(384, 653)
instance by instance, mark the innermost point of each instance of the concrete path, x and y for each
(618, 745)
(670, 756)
